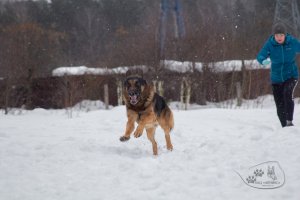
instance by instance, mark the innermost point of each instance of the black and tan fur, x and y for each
(146, 108)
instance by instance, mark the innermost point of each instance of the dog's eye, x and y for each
(137, 84)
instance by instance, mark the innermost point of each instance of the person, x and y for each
(280, 51)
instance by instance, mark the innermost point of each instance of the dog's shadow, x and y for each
(124, 151)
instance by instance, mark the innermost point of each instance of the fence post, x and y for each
(182, 93)
(185, 93)
(160, 88)
(188, 94)
(120, 92)
(154, 85)
(239, 94)
(6, 95)
(106, 97)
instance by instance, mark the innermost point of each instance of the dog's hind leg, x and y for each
(150, 135)
(168, 138)
(167, 123)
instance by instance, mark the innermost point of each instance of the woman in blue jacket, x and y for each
(280, 50)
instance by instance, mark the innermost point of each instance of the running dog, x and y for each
(148, 109)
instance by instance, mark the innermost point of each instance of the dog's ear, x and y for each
(125, 83)
(143, 81)
(143, 84)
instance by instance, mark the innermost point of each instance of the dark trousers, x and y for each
(284, 100)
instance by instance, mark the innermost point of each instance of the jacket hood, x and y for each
(287, 40)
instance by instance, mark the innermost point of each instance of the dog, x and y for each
(148, 109)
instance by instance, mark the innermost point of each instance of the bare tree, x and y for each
(28, 49)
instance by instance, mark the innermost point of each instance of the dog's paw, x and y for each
(137, 134)
(170, 147)
(124, 138)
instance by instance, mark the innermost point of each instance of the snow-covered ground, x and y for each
(45, 154)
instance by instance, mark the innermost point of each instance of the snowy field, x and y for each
(48, 155)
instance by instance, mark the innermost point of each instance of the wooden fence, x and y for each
(198, 87)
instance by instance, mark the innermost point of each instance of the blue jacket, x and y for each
(283, 58)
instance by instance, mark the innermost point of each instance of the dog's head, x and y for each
(133, 87)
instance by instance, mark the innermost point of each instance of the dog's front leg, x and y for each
(132, 117)
(146, 118)
(139, 129)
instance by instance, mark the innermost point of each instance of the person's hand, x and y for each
(266, 62)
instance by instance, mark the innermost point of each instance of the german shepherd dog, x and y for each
(148, 109)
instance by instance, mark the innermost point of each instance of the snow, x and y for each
(81, 70)
(236, 65)
(172, 65)
(45, 154)
(222, 66)
(181, 67)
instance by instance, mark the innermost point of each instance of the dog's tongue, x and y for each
(133, 99)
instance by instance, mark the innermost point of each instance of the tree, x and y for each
(27, 51)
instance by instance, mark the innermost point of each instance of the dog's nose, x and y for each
(132, 93)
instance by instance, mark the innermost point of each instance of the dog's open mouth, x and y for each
(133, 99)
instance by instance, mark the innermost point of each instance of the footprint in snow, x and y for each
(3, 135)
(256, 137)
